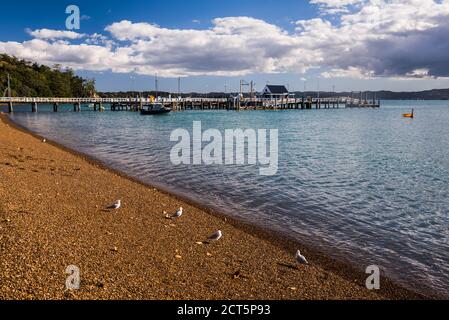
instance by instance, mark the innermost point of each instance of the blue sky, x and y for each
(283, 42)
(170, 14)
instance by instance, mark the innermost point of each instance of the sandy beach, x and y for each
(52, 215)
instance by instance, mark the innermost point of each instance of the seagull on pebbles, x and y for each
(215, 236)
(178, 214)
(116, 205)
(300, 258)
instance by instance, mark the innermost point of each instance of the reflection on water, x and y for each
(366, 185)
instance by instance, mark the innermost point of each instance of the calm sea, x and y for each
(365, 186)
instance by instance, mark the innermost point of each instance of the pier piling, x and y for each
(77, 107)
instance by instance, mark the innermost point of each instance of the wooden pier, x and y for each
(180, 104)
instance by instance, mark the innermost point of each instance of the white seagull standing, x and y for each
(300, 258)
(215, 236)
(178, 214)
(116, 205)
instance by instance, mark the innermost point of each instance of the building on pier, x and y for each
(275, 92)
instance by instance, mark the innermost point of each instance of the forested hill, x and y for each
(29, 79)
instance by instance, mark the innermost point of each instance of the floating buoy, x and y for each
(409, 115)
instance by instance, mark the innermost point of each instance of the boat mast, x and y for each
(304, 93)
(156, 85)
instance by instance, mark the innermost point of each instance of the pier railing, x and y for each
(186, 103)
(147, 100)
(103, 100)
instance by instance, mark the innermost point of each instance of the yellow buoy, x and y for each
(409, 115)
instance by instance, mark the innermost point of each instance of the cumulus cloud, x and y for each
(233, 46)
(376, 38)
(393, 39)
(87, 57)
(336, 3)
(334, 7)
(349, 72)
(54, 34)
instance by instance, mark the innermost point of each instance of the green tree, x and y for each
(33, 80)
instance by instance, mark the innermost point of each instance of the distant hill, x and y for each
(435, 94)
(29, 79)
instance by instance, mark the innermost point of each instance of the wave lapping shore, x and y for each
(52, 215)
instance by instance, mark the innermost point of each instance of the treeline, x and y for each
(28, 79)
(127, 94)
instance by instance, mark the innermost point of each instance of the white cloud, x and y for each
(99, 39)
(126, 30)
(418, 73)
(394, 38)
(335, 7)
(87, 57)
(233, 46)
(336, 3)
(350, 72)
(54, 34)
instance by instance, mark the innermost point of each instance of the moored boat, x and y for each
(154, 108)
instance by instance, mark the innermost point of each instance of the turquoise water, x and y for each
(365, 186)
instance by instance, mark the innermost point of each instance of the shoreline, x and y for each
(350, 279)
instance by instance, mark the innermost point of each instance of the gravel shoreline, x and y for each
(52, 215)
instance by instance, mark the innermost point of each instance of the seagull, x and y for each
(215, 236)
(116, 205)
(300, 258)
(178, 214)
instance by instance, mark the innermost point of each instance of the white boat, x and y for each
(154, 108)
